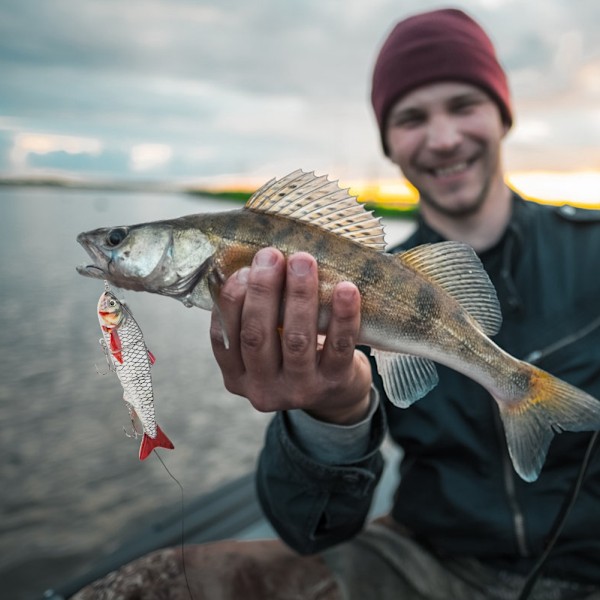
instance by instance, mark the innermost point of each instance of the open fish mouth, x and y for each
(91, 271)
(99, 268)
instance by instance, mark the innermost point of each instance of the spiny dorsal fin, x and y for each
(455, 267)
(320, 202)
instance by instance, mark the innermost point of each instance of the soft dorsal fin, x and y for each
(455, 267)
(316, 200)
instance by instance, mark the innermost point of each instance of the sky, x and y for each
(195, 91)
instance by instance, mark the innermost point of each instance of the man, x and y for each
(463, 525)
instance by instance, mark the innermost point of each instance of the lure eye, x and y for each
(116, 236)
(112, 303)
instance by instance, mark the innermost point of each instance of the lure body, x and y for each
(131, 360)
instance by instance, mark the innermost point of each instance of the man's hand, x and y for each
(281, 371)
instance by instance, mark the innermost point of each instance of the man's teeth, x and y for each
(452, 170)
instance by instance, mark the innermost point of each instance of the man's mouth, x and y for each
(450, 170)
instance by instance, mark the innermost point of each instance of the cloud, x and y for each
(26, 144)
(246, 86)
(144, 157)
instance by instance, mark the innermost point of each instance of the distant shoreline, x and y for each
(402, 210)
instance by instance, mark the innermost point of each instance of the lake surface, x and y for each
(73, 488)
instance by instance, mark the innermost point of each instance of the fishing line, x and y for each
(561, 518)
(187, 583)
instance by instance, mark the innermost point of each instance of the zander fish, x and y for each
(129, 357)
(434, 303)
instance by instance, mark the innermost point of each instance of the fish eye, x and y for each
(112, 303)
(115, 236)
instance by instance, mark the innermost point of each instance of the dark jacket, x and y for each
(458, 492)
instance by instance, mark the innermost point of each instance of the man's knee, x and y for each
(252, 570)
(257, 570)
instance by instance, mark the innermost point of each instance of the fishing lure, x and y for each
(127, 355)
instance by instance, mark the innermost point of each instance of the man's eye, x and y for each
(464, 107)
(406, 121)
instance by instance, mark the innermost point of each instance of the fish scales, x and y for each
(134, 372)
(431, 304)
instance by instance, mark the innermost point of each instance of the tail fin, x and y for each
(160, 441)
(551, 406)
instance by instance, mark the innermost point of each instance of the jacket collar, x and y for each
(516, 227)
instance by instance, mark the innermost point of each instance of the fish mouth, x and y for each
(99, 268)
(91, 271)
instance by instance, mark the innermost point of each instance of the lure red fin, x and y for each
(160, 441)
(116, 346)
(151, 357)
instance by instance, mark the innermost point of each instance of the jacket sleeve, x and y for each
(313, 505)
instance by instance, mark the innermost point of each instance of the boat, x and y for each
(231, 511)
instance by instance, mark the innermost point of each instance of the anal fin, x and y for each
(406, 378)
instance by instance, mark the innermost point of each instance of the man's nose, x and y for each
(442, 134)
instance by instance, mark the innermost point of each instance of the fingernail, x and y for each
(299, 265)
(345, 292)
(242, 274)
(265, 258)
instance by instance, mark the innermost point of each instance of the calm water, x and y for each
(72, 486)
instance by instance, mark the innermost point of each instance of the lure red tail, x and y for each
(160, 441)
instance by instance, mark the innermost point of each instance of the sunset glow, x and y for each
(576, 188)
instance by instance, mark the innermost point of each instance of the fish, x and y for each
(128, 356)
(431, 304)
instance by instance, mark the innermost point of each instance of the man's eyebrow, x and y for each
(405, 111)
(471, 95)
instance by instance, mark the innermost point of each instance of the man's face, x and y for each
(446, 137)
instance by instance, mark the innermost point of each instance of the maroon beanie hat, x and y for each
(441, 45)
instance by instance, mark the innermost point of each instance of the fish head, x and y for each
(110, 310)
(164, 257)
(125, 256)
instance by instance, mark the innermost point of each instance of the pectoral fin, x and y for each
(406, 378)
(215, 281)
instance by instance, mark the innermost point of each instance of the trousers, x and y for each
(381, 563)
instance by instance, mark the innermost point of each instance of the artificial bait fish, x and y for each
(434, 303)
(129, 357)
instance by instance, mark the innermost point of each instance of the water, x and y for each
(72, 486)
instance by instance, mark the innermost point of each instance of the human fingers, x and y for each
(299, 334)
(259, 337)
(342, 330)
(345, 370)
(225, 327)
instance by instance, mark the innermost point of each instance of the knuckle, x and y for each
(260, 287)
(252, 337)
(232, 386)
(296, 343)
(216, 333)
(342, 344)
(229, 296)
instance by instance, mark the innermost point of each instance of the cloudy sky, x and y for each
(198, 90)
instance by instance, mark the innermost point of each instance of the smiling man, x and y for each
(462, 524)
